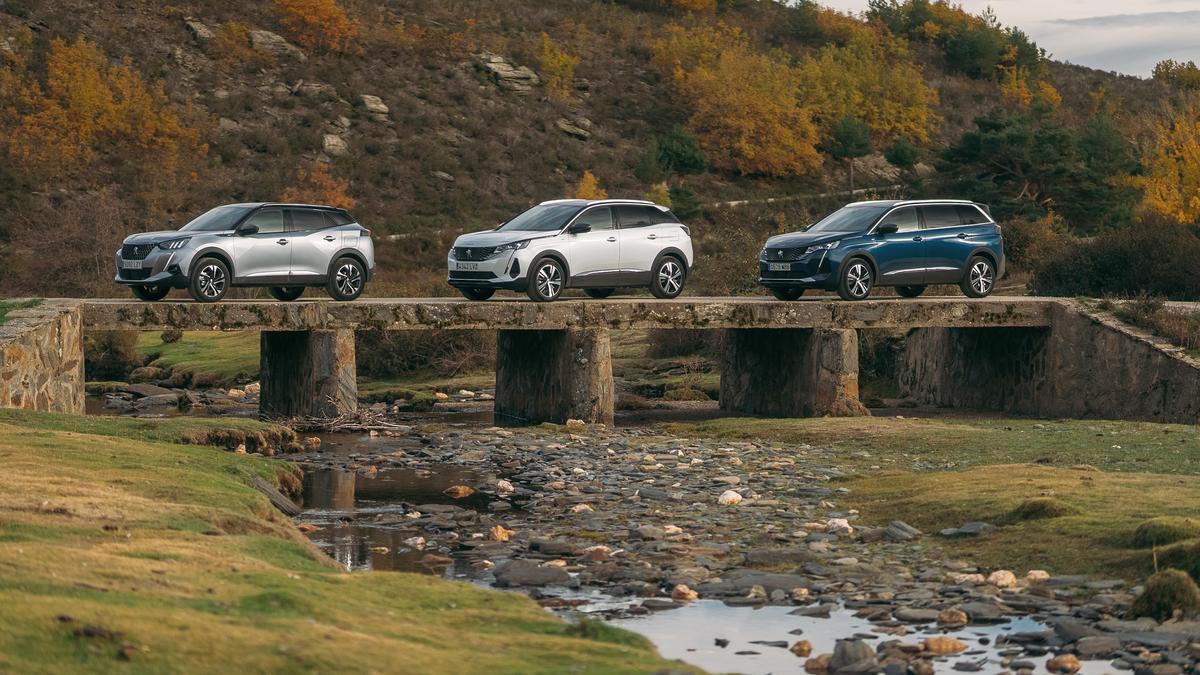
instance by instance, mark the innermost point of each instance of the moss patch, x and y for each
(1164, 530)
(1167, 592)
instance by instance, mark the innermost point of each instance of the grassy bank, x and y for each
(7, 306)
(1072, 496)
(117, 544)
(221, 357)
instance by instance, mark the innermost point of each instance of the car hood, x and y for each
(798, 239)
(153, 237)
(495, 238)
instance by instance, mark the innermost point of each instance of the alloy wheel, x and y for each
(549, 281)
(212, 281)
(670, 277)
(981, 277)
(349, 280)
(858, 279)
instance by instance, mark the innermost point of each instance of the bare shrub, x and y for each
(110, 355)
(442, 353)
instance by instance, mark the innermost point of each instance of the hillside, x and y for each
(424, 117)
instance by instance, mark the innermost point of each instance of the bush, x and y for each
(382, 354)
(1164, 530)
(1167, 592)
(666, 343)
(679, 151)
(110, 355)
(1040, 508)
(171, 335)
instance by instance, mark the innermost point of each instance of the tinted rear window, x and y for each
(940, 216)
(338, 217)
(308, 219)
(639, 216)
(969, 215)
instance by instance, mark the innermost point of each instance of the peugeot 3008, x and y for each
(597, 245)
(906, 244)
(283, 247)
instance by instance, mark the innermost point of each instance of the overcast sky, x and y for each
(1128, 36)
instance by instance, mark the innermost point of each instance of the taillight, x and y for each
(686, 230)
(365, 232)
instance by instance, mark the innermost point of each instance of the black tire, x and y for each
(856, 279)
(910, 291)
(209, 280)
(546, 280)
(599, 293)
(477, 294)
(980, 278)
(150, 293)
(667, 277)
(347, 279)
(286, 293)
(787, 293)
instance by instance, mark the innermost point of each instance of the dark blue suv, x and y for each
(906, 244)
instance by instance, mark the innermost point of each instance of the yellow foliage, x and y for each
(318, 186)
(557, 66)
(660, 194)
(589, 188)
(87, 108)
(1171, 186)
(412, 37)
(231, 45)
(1013, 86)
(873, 77)
(690, 5)
(318, 24)
(687, 49)
(1048, 94)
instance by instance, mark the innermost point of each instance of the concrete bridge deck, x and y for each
(617, 313)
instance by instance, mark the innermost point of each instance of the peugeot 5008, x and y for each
(596, 245)
(906, 244)
(283, 247)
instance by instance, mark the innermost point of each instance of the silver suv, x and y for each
(284, 247)
(597, 245)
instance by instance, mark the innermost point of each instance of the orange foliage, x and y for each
(318, 24)
(87, 109)
(318, 186)
(686, 49)
(396, 34)
(1172, 181)
(231, 45)
(690, 5)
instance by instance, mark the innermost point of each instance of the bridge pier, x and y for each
(791, 372)
(307, 373)
(553, 376)
(981, 368)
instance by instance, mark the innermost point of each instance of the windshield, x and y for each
(218, 219)
(543, 218)
(849, 219)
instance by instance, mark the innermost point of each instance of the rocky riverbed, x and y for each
(635, 523)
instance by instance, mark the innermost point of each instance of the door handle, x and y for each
(652, 236)
(611, 239)
(282, 242)
(328, 237)
(962, 235)
(916, 239)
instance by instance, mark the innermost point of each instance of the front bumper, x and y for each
(815, 270)
(505, 271)
(159, 268)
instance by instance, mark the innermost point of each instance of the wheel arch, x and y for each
(984, 252)
(675, 253)
(558, 257)
(349, 253)
(213, 252)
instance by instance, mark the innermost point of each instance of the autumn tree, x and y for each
(318, 24)
(317, 185)
(1178, 74)
(689, 5)
(588, 187)
(659, 193)
(1172, 182)
(557, 67)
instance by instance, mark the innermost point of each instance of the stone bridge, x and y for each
(1037, 356)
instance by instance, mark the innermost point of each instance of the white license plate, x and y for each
(779, 267)
(131, 264)
(466, 267)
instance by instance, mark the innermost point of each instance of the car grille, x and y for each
(135, 275)
(784, 254)
(136, 251)
(458, 274)
(474, 252)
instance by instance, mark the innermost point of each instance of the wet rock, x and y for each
(682, 593)
(852, 656)
(1063, 663)
(916, 615)
(941, 645)
(802, 648)
(1097, 646)
(523, 572)
(952, 617)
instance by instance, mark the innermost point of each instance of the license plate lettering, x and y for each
(131, 264)
(779, 267)
(466, 267)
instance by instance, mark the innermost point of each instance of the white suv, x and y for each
(596, 245)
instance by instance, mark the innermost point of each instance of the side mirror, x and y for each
(246, 229)
(579, 228)
(887, 228)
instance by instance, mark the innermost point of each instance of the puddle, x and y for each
(689, 634)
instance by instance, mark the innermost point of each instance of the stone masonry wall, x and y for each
(41, 358)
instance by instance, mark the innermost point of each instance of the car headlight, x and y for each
(174, 244)
(512, 246)
(821, 247)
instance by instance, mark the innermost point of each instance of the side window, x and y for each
(969, 215)
(904, 219)
(600, 218)
(338, 217)
(635, 216)
(307, 220)
(940, 216)
(269, 220)
(658, 216)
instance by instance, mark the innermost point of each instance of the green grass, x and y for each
(224, 357)
(7, 306)
(185, 568)
(1055, 489)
